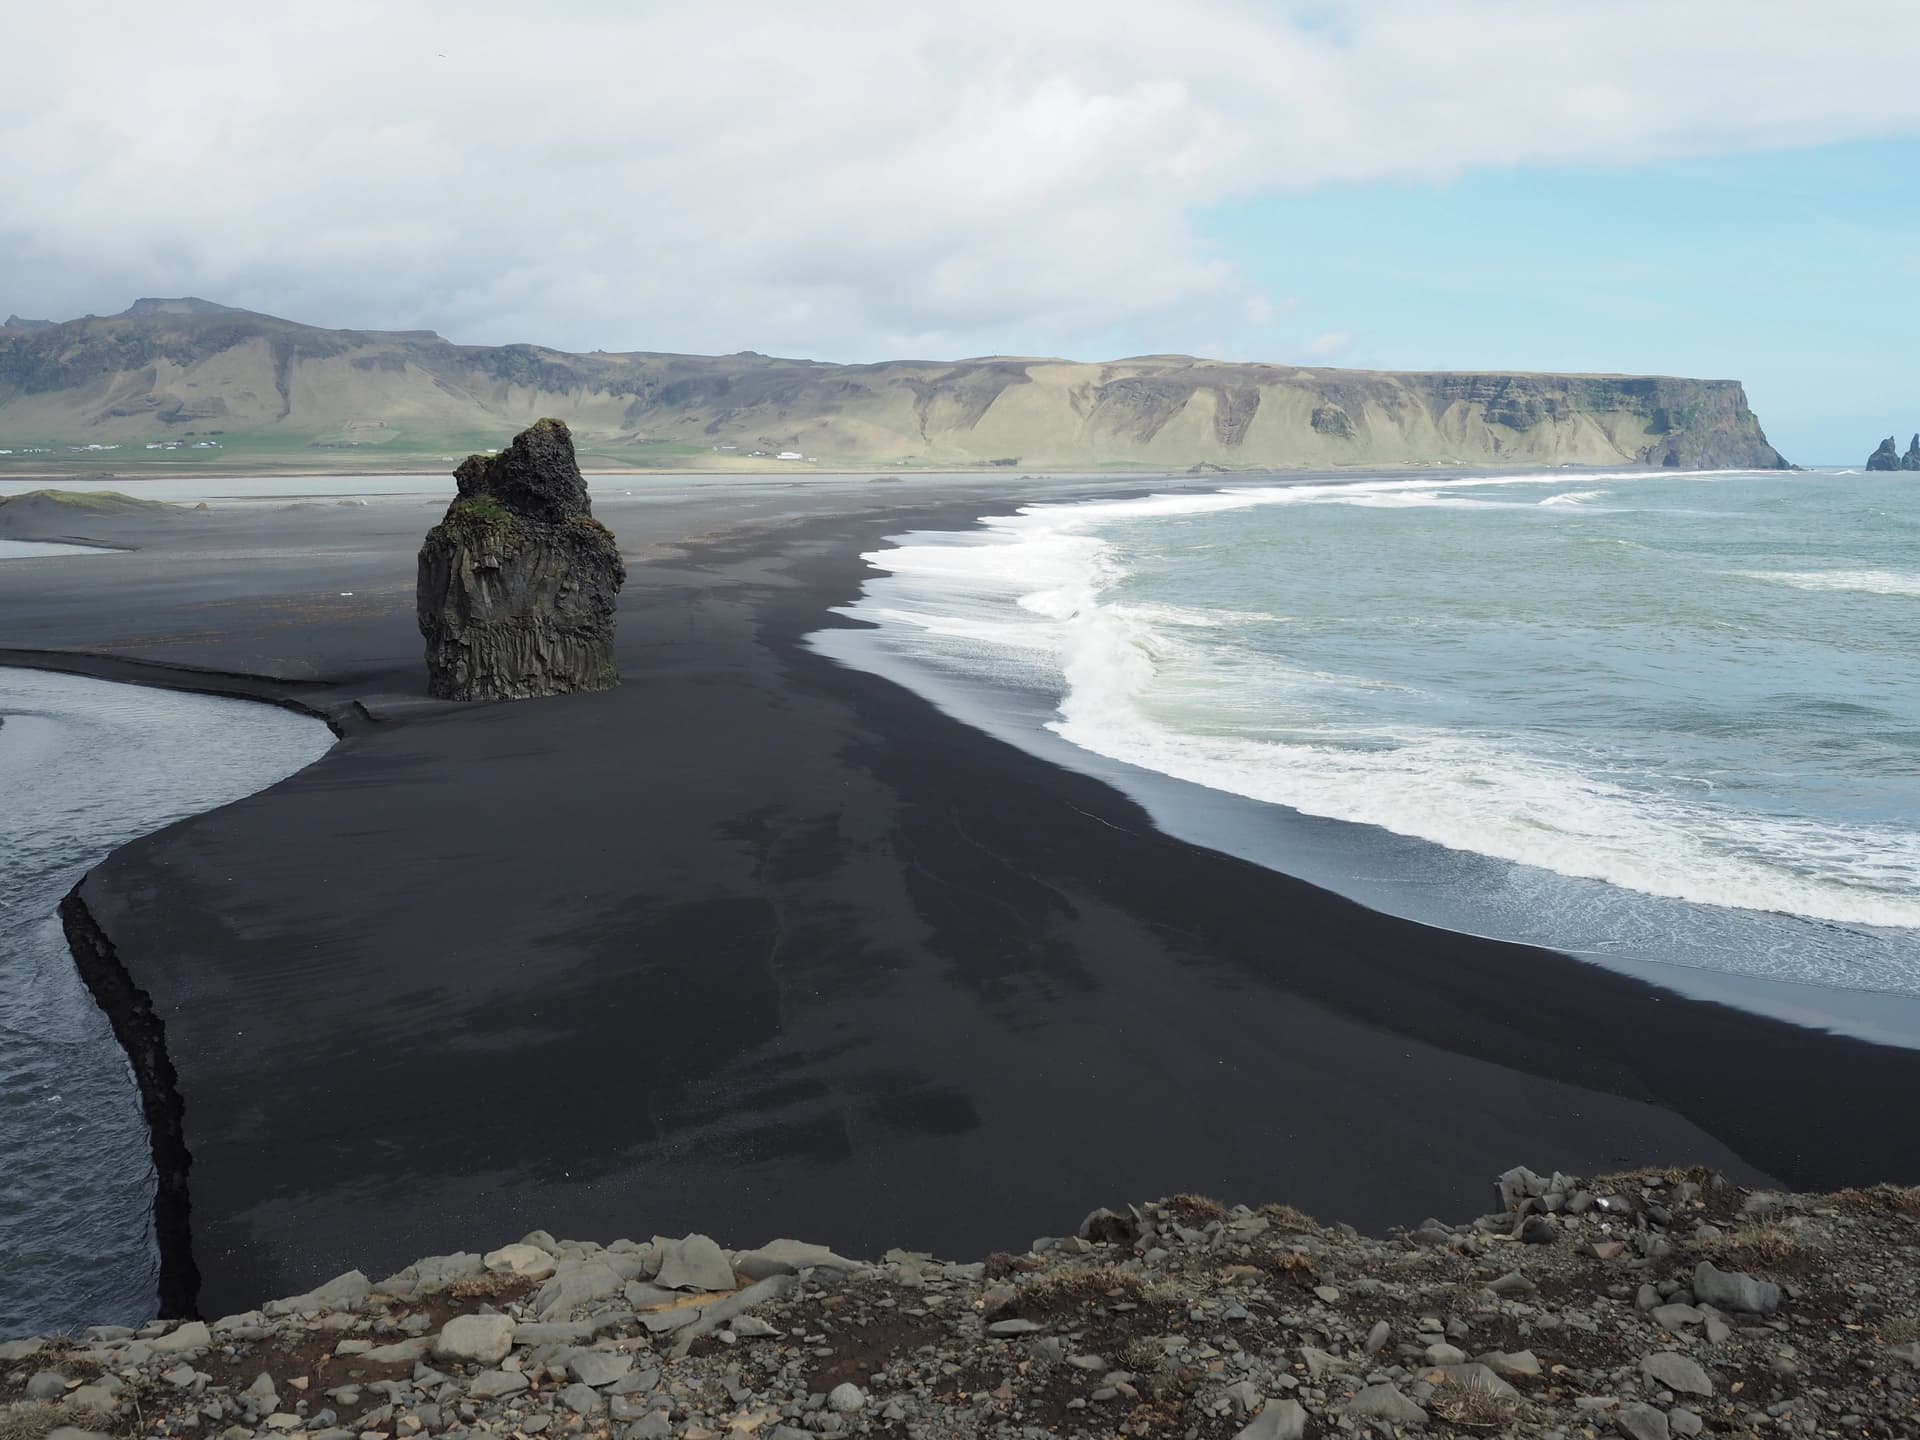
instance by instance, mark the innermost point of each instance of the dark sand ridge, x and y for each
(758, 945)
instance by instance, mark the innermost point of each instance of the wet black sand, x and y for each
(759, 945)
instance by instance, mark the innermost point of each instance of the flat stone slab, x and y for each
(695, 1263)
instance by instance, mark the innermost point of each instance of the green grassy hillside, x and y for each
(190, 385)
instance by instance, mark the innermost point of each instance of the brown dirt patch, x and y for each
(310, 1355)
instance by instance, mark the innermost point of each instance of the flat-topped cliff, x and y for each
(231, 381)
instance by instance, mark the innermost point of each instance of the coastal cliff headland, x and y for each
(187, 383)
(1646, 1305)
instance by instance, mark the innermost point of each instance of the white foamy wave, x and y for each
(1472, 794)
(1054, 537)
(1039, 582)
(953, 627)
(1862, 582)
(1576, 497)
(1421, 500)
(1159, 613)
(1405, 490)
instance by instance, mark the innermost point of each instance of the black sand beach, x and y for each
(758, 945)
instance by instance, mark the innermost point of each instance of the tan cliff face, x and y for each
(172, 369)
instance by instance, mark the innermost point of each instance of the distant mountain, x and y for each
(186, 305)
(20, 322)
(296, 394)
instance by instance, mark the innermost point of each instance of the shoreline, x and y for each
(1008, 477)
(143, 1038)
(140, 1034)
(822, 561)
(1386, 870)
(1360, 862)
(341, 719)
(91, 1118)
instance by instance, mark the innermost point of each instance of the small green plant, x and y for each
(478, 516)
(483, 508)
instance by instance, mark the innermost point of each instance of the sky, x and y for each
(1724, 188)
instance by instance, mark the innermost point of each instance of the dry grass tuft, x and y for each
(1000, 1265)
(1882, 1199)
(488, 1287)
(1193, 1209)
(1652, 1175)
(1112, 1229)
(1288, 1266)
(35, 1420)
(1142, 1356)
(1768, 1246)
(1901, 1329)
(1164, 1408)
(1285, 1217)
(1091, 1282)
(74, 1356)
(1472, 1407)
(1078, 1287)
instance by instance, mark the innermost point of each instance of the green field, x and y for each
(275, 451)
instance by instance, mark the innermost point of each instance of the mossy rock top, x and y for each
(536, 477)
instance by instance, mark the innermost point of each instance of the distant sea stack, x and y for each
(1888, 456)
(517, 585)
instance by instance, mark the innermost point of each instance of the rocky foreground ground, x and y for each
(1647, 1305)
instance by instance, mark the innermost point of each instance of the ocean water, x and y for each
(229, 489)
(43, 549)
(84, 767)
(1667, 718)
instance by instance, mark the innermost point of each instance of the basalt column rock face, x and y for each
(517, 585)
(1887, 457)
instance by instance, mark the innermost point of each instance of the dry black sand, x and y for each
(758, 945)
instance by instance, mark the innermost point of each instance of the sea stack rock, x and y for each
(517, 584)
(1911, 460)
(1886, 457)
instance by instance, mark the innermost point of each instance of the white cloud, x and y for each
(854, 180)
(1330, 346)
